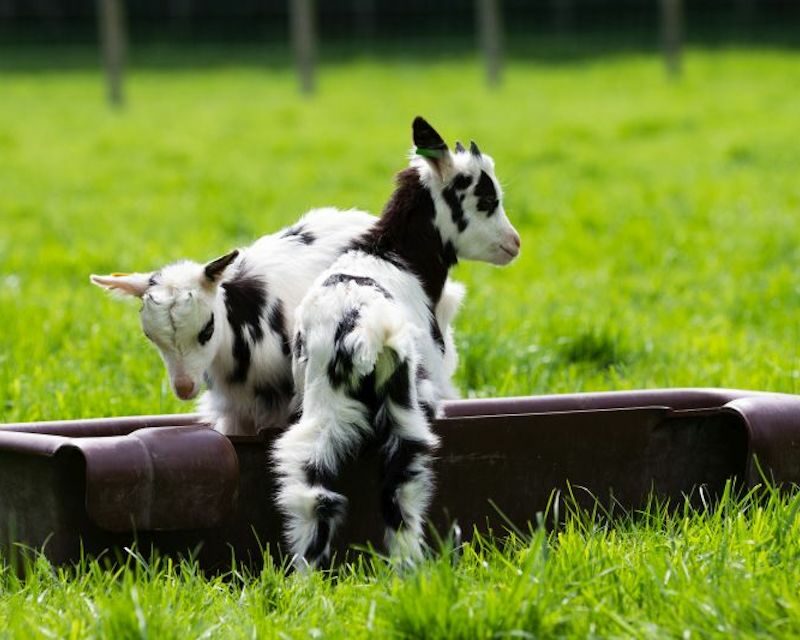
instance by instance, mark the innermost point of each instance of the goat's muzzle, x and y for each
(184, 388)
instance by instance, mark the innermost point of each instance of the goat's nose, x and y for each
(516, 239)
(184, 388)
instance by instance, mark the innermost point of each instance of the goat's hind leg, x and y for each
(311, 507)
(407, 474)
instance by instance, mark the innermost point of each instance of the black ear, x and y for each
(430, 145)
(473, 149)
(427, 139)
(215, 268)
(459, 147)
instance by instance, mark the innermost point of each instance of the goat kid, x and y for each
(228, 322)
(370, 360)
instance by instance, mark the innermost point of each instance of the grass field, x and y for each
(660, 244)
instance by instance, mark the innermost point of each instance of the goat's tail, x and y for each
(380, 342)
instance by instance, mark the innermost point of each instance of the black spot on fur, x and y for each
(207, 331)
(315, 550)
(275, 396)
(429, 411)
(486, 194)
(328, 509)
(396, 472)
(245, 299)
(449, 254)
(319, 475)
(299, 346)
(299, 233)
(436, 333)
(366, 394)
(398, 387)
(407, 237)
(340, 368)
(330, 506)
(361, 281)
(422, 373)
(456, 210)
(277, 323)
(461, 182)
(453, 195)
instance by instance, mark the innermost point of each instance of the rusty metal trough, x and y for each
(175, 484)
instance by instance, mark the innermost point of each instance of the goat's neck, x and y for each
(407, 230)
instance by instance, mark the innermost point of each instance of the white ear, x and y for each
(132, 284)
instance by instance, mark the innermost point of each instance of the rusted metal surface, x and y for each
(100, 426)
(676, 399)
(152, 478)
(171, 482)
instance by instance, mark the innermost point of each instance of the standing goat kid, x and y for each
(369, 357)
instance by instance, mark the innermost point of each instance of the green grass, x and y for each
(729, 572)
(660, 244)
(658, 219)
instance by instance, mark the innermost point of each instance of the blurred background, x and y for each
(648, 150)
(315, 31)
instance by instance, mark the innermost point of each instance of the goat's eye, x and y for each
(207, 331)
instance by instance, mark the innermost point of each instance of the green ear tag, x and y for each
(429, 153)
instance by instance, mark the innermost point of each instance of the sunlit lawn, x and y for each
(660, 248)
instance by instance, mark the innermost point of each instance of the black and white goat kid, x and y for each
(369, 355)
(230, 321)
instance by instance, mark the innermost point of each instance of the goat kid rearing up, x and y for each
(368, 353)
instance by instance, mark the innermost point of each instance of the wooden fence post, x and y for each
(564, 17)
(301, 18)
(111, 23)
(490, 29)
(672, 34)
(746, 12)
(365, 19)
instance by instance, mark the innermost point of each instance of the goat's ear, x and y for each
(130, 284)
(213, 270)
(431, 146)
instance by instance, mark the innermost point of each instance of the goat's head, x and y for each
(180, 312)
(467, 197)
